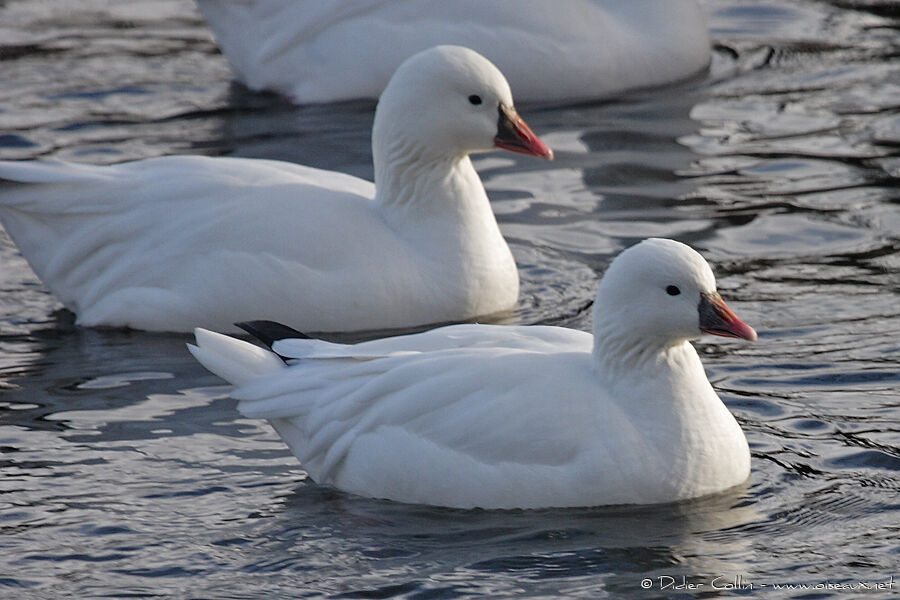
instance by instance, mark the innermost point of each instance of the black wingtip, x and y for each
(269, 332)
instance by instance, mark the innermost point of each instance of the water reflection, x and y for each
(443, 549)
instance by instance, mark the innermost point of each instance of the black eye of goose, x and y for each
(673, 290)
(475, 99)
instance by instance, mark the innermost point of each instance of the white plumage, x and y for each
(514, 417)
(313, 51)
(178, 242)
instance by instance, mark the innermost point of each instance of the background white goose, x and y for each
(313, 51)
(176, 242)
(514, 417)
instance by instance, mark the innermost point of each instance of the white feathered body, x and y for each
(315, 51)
(178, 242)
(492, 417)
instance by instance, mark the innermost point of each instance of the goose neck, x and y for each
(405, 176)
(619, 355)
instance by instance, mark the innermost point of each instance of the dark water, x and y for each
(126, 471)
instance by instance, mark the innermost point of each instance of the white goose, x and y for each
(513, 417)
(171, 243)
(314, 51)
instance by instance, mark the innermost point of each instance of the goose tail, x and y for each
(234, 360)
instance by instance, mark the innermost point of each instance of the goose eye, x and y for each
(475, 99)
(673, 290)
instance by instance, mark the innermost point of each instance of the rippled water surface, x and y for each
(127, 472)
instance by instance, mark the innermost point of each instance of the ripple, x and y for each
(873, 459)
(105, 382)
(10, 140)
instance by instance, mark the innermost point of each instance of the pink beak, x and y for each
(717, 319)
(515, 135)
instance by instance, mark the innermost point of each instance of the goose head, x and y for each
(449, 101)
(659, 293)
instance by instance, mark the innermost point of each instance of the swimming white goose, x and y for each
(313, 51)
(498, 416)
(177, 242)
